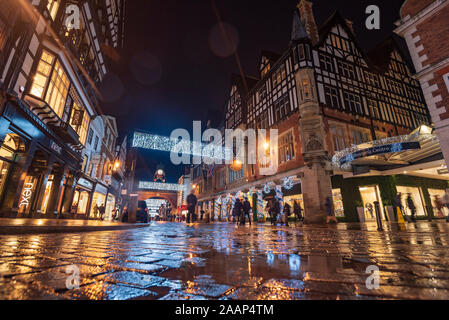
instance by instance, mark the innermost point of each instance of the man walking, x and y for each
(237, 211)
(411, 206)
(297, 210)
(191, 205)
(246, 211)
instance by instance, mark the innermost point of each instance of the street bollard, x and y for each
(378, 217)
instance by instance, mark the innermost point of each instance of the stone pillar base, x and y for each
(316, 187)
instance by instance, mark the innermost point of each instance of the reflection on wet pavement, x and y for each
(223, 261)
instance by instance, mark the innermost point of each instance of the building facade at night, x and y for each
(53, 54)
(425, 28)
(329, 100)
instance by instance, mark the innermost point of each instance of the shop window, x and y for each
(332, 97)
(3, 32)
(281, 108)
(437, 199)
(79, 121)
(54, 80)
(360, 136)
(417, 198)
(286, 148)
(370, 195)
(52, 7)
(338, 137)
(326, 63)
(353, 103)
(47, 193)
(338, 203)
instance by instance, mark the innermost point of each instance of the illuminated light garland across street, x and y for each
(149, 185)
(161, 143)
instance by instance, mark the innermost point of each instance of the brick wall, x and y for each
(412, 7)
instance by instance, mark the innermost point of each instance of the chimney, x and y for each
(308, 19)
(350, 25)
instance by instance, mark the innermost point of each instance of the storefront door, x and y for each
(371, 194)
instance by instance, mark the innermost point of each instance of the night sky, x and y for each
(174, 66)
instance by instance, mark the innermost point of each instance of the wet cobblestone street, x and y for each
(224, 261)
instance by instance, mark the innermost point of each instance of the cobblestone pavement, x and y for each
(224, 261)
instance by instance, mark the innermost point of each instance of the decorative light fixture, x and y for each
(266, 188)
(288, 183)
(147, 185)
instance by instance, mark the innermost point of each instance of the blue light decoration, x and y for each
(288, 183)
(266, 188)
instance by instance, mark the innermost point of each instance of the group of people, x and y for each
(440, 204)
(99, 211)
(165, 212)
(241, 210)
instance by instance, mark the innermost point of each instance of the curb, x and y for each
(25, 230)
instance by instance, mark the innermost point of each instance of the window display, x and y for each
(437, 198)
(370, 195)
(416, 197)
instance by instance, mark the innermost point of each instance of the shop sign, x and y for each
(26, 194)
(83, 182)
(55, 147)
(77, 119)
(124, 192)
(101, 189)
(385, 149)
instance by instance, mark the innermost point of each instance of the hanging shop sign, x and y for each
(77, 118)
(26, 195)
(54, 146)
(385, 149)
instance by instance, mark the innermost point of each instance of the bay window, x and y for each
(51, 80)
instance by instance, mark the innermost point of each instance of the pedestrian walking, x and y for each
(275, 210)
(330, 211)
(246, 211)
(96, 209)
(446, 202)
(411, 206)
(202, 214)
(439, 205)
(297, 210)
(237, 211)
(191, 205)
(125, 214)
(287, 212)
(102, 211)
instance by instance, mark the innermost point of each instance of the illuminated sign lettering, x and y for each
(26, 194)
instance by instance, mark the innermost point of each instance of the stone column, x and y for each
(43, 186)
(21, 170)
(316, 179)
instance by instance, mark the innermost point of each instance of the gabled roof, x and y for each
(270, 55)
(244, 84)
(299, 32)
(380, 55)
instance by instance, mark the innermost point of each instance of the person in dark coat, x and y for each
(237, 211)
(287, 212)
(246, 211)
(411, 206)
(191, 205)
(102, 211)
(275, 210)
(330, 211)
(297, 210)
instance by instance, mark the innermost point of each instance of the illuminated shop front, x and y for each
(98, 200)
(82, 197)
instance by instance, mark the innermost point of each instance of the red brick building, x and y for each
(425, 26)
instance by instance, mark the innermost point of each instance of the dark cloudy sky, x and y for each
(174, 67)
